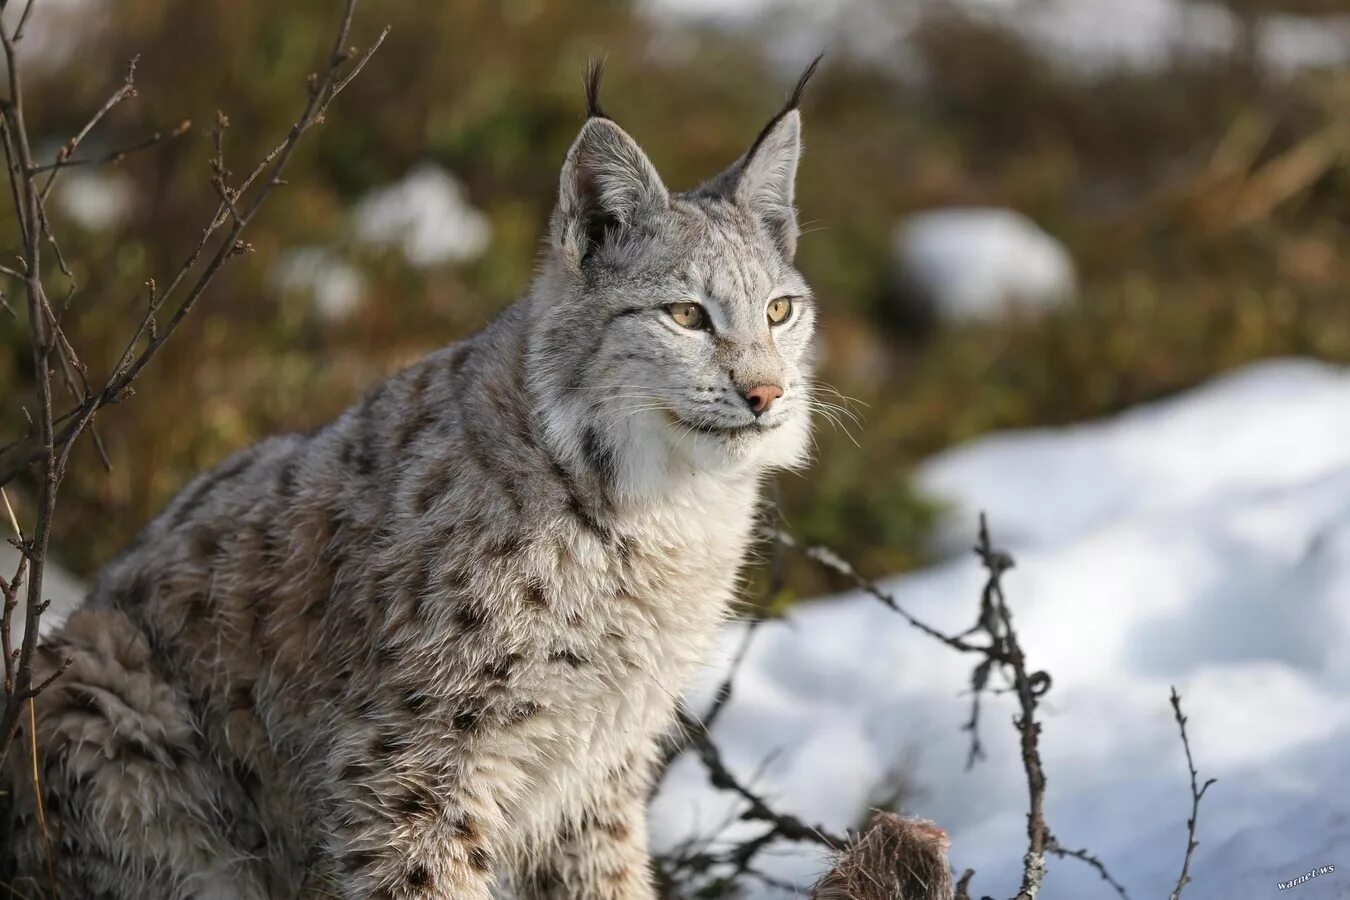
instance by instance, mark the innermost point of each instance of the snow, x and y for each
(1085, 36)
(964, 263)
(336, 285)
(63, 590)
(1201, 541)
(95, 199)
(427, 215)
(1098, 34)
(1293, 42)
(723, 11)
(1092, 35)
(55, 30)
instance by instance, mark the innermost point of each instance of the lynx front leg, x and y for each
(602, 854)
(389, 861)
(399, 832)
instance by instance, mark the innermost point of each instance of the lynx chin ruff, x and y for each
(430, 649)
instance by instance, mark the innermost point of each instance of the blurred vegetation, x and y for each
(1207, 206)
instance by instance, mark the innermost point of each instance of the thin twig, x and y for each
(23, 20)
(963, 885)
(723, 694)
(1058, 849)
(1029, 689)
(682, 739)
(1196, 793)
(323, 91)
(74, 374)
(116, 156)
(10, 592)
(37, 797)
(128, 89)
(1003, 650)
(832, 561)
(19, 159)
(47, 446)
(785, 825)
(979, 679)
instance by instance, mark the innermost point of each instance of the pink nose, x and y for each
(761, 397)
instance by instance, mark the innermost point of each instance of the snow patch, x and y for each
(55, 30)
(979, 262)
(95, 200)
(427, 215)
(63, 590)
(335, 284)
(1086, 36)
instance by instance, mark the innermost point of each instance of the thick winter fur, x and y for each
(428, 650)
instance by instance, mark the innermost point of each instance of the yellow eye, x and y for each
(780, 310)
(689, 315)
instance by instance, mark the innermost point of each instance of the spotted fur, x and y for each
(428, 650)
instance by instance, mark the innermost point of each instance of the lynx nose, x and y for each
(761, 397)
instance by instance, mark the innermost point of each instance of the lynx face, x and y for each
(676, 334)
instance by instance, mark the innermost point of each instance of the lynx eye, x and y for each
(688, 315)
(780, 310)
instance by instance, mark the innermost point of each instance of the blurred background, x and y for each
(1017, 213)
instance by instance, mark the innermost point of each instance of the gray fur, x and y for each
(429, 650)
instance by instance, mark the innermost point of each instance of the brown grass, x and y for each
(897, 858)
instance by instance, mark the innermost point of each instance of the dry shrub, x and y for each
(897, 858)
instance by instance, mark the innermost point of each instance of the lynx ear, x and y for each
(764, 180)
(768, 183)
(608, 183)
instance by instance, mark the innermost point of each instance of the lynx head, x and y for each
(671, 334)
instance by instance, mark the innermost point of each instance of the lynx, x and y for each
(430, 649)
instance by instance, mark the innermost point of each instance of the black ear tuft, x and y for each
(796, 99)
(594, 72)
(793, 102)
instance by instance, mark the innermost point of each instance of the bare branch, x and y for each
(1029, 688)
(322, 92)
(116, 156)
(1054, 846)
(10, 592)
(682, 739)
(128, 89)
(220, 176)
(47, 682)
(832, 561)
(47, 445)
(785, 826)
(23, 20)
(1001, 651)
(19, 160)
(979, 679)
(1197, 792)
